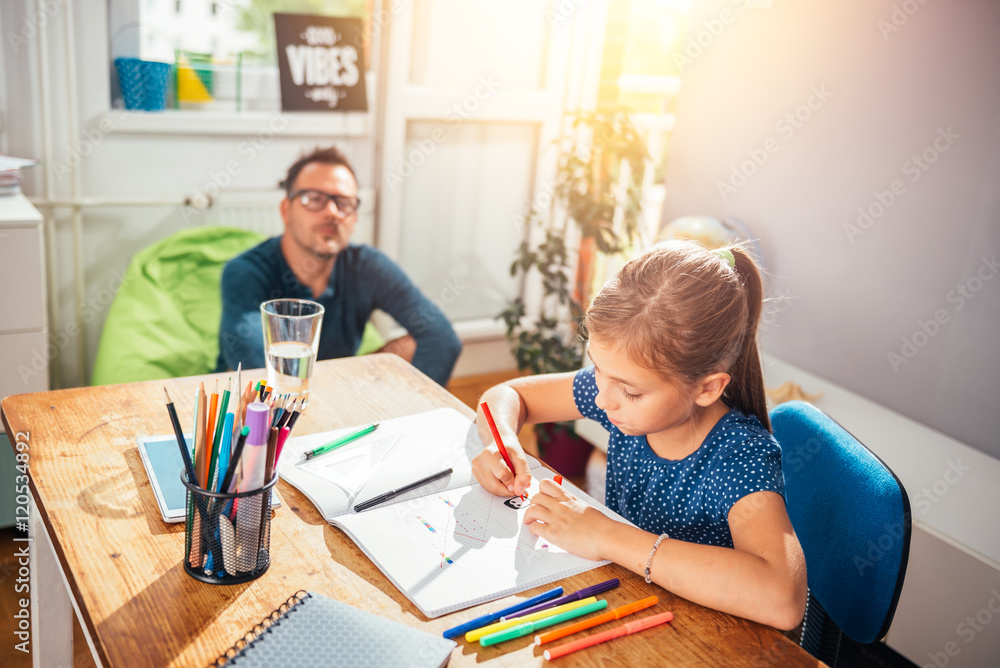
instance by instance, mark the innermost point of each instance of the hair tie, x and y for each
(726, 255)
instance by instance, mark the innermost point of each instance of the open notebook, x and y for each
(447, 545)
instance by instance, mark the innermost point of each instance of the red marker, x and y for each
(496, 437)
(558, 480)
(623, 630)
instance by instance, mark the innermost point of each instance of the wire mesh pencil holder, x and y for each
(227, 537)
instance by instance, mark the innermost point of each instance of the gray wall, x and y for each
(893, 78)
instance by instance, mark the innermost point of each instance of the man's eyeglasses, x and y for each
(315, 200)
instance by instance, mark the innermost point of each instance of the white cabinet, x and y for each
(24, 336)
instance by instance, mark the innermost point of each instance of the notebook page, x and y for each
(451, 550)
(400, 451)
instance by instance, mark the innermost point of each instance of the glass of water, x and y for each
(291, 341)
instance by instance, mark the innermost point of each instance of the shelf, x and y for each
(262, 123)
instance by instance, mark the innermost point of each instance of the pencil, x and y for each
(181, 442)
(213, 405)
(192, 475)
(199, 420)
(228, 483)
(237, 386)
(295, 416)
(272, 450)
(248, 396)
(213, 466)
(282, 437)
(265, 497)
(225, 447)
(287, 416)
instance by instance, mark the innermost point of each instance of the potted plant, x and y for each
(597, 207)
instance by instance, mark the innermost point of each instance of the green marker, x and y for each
(333, 445)
(531, 627)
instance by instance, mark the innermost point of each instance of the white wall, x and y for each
(119, 163)
(851, 295)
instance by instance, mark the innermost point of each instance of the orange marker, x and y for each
(609, 616)
(558, 480)
(496, 437)
(618, 632)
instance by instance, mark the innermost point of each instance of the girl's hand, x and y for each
(489, 467)
(560, 517)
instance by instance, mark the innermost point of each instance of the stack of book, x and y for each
(10, 173)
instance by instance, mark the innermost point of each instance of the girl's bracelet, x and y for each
(649, 559)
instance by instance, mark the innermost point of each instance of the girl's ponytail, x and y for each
(746, 385)
(688, 312)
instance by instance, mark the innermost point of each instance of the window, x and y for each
(223, 51)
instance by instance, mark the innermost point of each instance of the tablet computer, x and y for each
(162, 460)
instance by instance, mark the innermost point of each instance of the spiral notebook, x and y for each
(313, 630)
(447, 545)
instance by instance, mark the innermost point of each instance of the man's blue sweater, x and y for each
(363, 279)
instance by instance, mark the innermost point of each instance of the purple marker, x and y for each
(251, 477)
(586, 592)
(255, 451)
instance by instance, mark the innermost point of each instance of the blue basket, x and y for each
(143, 83)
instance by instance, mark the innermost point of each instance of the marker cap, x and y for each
(258, 418)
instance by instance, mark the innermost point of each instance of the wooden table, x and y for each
(121, 564)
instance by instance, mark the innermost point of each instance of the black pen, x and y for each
(382, 498)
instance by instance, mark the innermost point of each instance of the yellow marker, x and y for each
(473, 636)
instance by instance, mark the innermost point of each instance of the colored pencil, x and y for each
(181, 442)
(213, 465)
(213, 406)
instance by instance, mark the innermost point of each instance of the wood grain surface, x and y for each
(123, 563)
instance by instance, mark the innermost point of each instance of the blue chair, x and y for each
(852, 517)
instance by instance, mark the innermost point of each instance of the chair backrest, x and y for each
(852, 517)
(164, 321)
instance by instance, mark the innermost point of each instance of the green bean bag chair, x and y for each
(164, 321)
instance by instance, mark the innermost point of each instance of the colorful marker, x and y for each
(530, 627)
(491, 617)
(496, 437)
(593, 590)
(609, 616)
(473, 636)
(343, 440)
(597, 638)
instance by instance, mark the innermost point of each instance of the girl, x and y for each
(677, 382)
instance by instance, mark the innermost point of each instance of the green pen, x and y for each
(336, 443)
(531, 627)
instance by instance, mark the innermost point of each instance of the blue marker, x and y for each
(492, 617)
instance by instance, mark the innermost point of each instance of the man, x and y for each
(315, 259)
